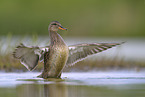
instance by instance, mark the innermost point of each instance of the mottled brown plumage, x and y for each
(57, 55)
(56, 58)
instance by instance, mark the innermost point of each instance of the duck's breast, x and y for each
(57, 60)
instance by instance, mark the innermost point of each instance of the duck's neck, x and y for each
(55, 38)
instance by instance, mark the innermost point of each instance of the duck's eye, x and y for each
(54, 24)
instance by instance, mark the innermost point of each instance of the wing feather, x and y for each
(29, 56)
(80, 51)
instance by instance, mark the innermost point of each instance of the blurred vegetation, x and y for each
(121, 18)
(9, 64)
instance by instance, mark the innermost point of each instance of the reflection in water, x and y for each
(55, 90)
(42, 90)
(63, 90)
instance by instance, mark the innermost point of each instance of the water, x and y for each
(74, 84)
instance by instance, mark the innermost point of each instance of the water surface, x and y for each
(84, 84)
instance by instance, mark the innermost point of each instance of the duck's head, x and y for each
(55, 25)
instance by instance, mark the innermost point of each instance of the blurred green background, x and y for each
(115, 18)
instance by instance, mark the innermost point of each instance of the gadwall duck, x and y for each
(57, 55)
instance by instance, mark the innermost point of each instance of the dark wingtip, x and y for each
(122, 43)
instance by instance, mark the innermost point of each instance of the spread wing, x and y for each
(81, 51)
(29, 56)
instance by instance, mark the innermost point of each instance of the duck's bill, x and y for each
(62, 28)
